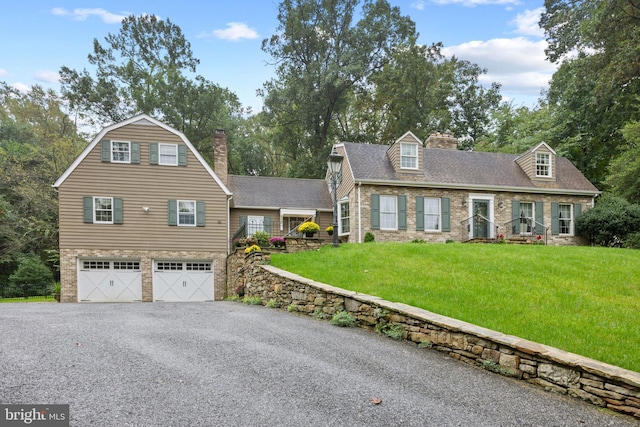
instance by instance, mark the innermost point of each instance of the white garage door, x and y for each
(109, 281)
(182, 281)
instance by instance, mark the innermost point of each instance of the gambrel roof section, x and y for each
(141, 119)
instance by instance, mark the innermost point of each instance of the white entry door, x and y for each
(183, 281)
(109, 281)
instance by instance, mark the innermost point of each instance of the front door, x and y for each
(480, 219)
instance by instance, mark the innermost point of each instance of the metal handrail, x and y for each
(479, 217)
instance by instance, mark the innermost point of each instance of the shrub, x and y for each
(343, 319)
(369, 237)
(391, 330)
(632, 241)
(262, 238)
(252, 300)
(31, 277)
(272, 303)
(609, 222)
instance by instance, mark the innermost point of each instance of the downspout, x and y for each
(359, 215)
(229, 244)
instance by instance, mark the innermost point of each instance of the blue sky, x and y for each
(40, 36)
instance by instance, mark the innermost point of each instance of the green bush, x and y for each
(344, 319)
(609, 222)
(33, 274)
(632, 241)
(369, 237)
(263, 238)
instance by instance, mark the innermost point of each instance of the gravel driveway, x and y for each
(229, 364)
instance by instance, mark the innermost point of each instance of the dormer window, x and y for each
(543, 165)
(409, 156)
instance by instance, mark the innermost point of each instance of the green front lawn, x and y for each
(581, 299)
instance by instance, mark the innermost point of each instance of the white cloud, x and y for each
(234, 31)
(519, 64)
(3, 72)
(526, 23)
(47, 76)
(418, 5)
(83, 14)
(472, 3)
(21, 87)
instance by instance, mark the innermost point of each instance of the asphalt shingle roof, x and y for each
(287, 193)
(370, 162)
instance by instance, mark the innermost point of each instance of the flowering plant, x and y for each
(308, 227)
(329, 229)
(253, 248)
(278, 242)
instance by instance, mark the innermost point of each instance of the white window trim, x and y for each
(195, 213)
(571, 222)
(344, 201)
(415, 156)
(395, 227)
(258, 220)
(175, 147)
(128, 151)
(95, 220)
(439, 229)
(548, 165)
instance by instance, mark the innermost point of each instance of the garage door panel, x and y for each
(178, 281)
(109, 281)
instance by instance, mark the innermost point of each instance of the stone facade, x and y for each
(360, 210)
(547, 367)
(69, 268)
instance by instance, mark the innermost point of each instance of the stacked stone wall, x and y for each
(552, 369)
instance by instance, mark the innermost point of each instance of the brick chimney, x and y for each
(442, 140)
(220, 154)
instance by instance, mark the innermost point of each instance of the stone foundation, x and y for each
(552, 369)
(69, 268)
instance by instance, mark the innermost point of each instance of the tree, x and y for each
(38, 141)
(624, 170)
(322, 53)
(420, 90)
(142, 69)
(594, 92)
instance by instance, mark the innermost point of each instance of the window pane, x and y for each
(344, 218)
(186, 212)
(120, 151)
(431, 214)
(168, 154)
(103, 209)
(542, 164)
(526, 217)
(388, 212)
(408, 156)
(565, 219)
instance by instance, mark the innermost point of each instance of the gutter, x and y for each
(477, 187)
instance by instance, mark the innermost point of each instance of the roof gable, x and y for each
(141, 119)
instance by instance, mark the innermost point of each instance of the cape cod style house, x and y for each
(435, 192)
(143, 217)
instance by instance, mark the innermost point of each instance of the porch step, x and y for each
(511, 241)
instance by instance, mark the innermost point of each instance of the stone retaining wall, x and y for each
(550, 368)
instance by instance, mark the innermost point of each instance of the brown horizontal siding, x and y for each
(323, 219)
(142, 185)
